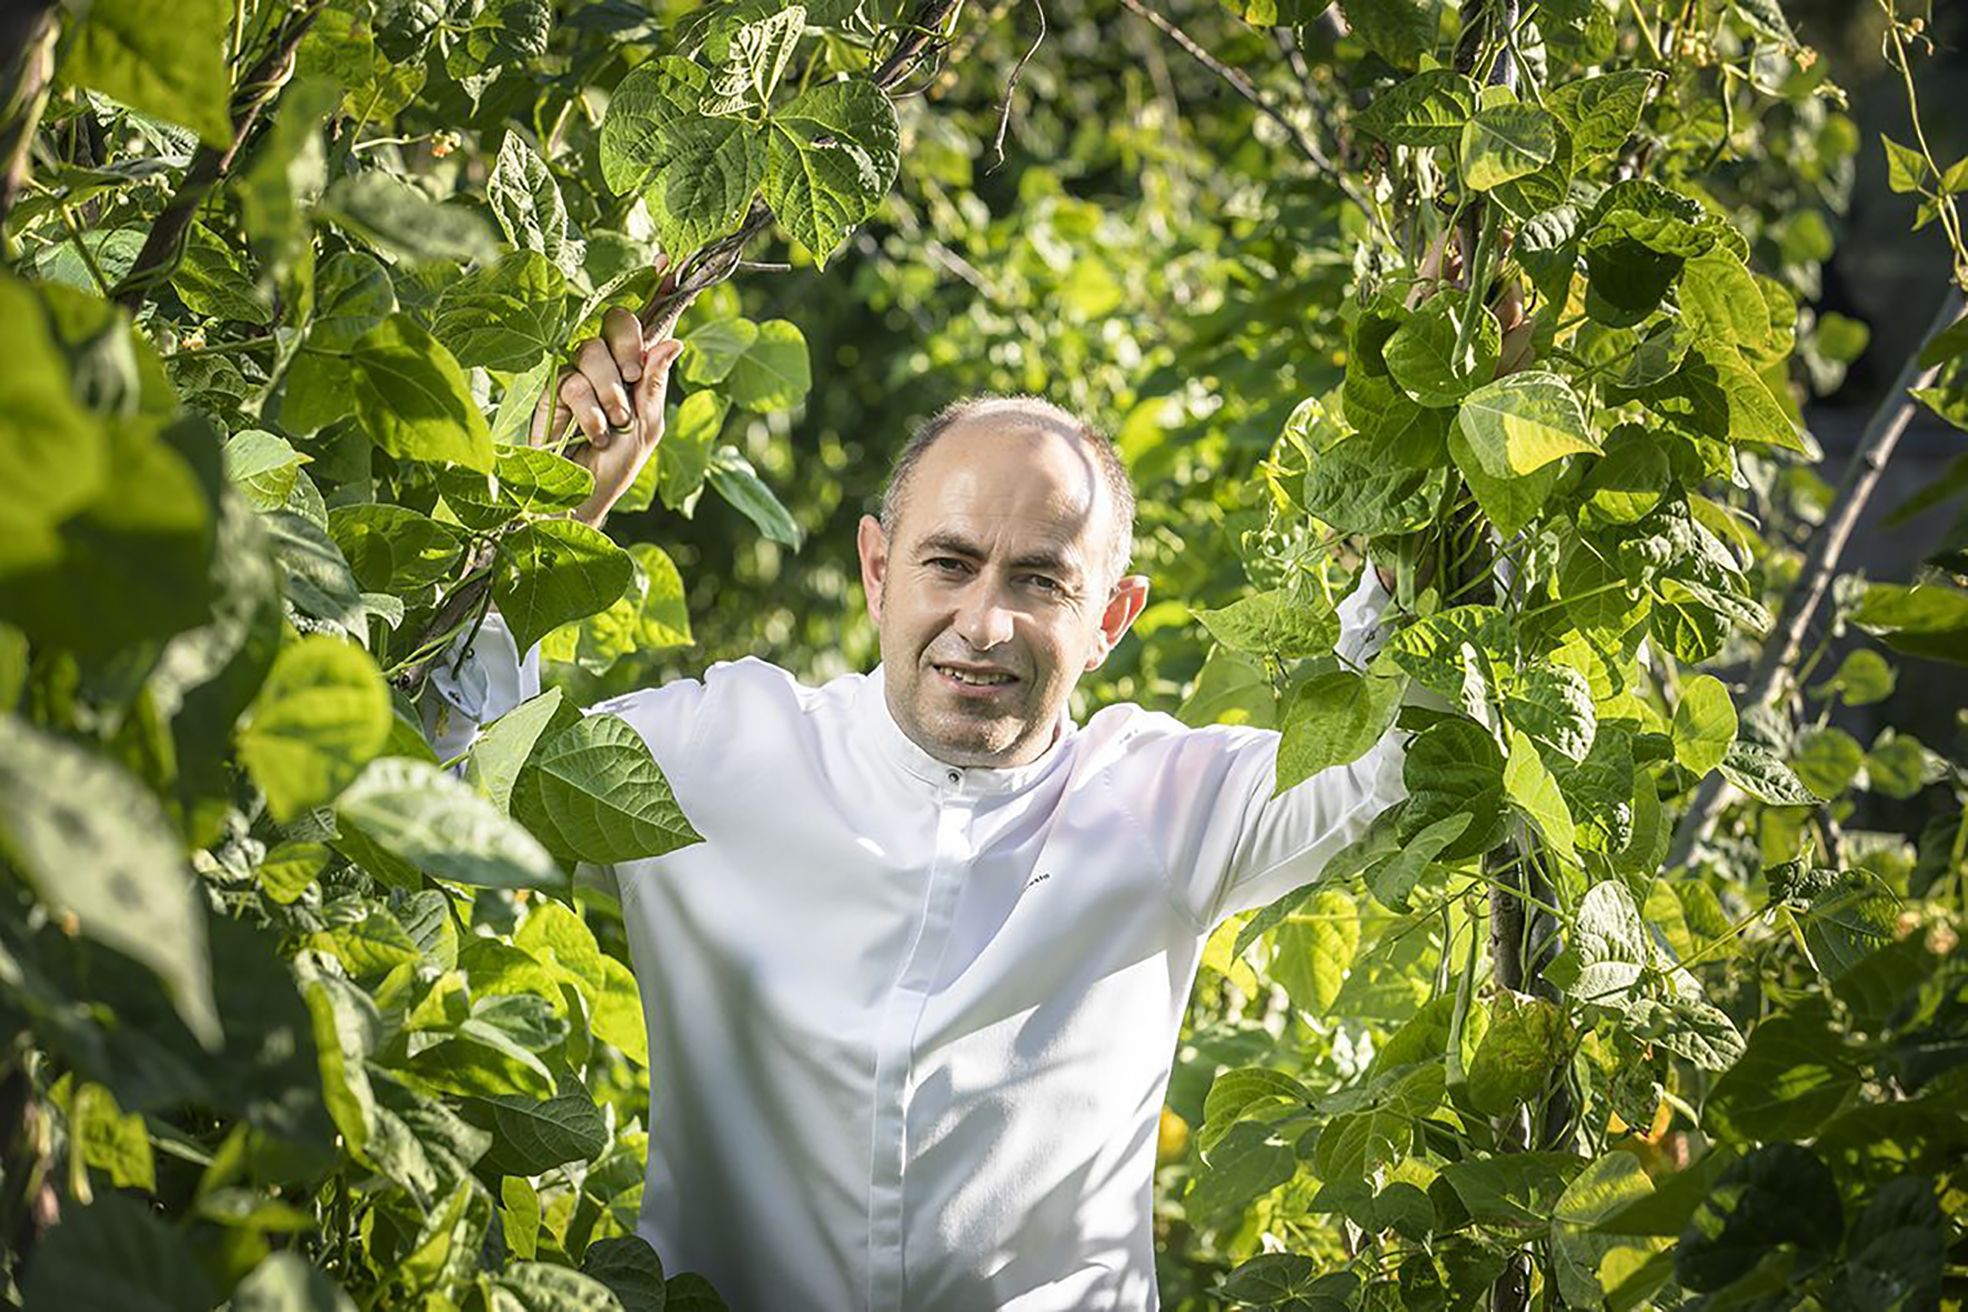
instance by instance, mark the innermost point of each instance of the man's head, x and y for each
(995, 575)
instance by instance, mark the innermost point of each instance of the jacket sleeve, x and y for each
(490, 680)
(1204, 798)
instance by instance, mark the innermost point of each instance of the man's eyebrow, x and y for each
(955, 544)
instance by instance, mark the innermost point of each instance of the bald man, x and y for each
(914, 1001)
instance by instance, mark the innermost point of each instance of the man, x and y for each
(914, 1000)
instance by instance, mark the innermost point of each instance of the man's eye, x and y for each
(946, 562)
(1044, 582)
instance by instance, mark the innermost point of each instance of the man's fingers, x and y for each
(654, 389)
(597, 364)
(621, 334)
(578, 395)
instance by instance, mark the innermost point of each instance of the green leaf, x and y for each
(115, 1253)
(95, 845)
(1924, 619)
(1391, 880)
(1316, 949)
(631, 1268)
(546, 1287)
(1827, 760)
(1602, 111)
(1333, 719)
(1400, 31)
(110, 1139)
(394, 217)
(1432, 650)
(323, 714)
(1428, 109)
(435, 822)
(264, 466)
(1720, 305)
(1759, 772)
(1274, 623)
(1238, 1094)
(1779, 1195)
(1611, 943)
(1715, 396)
(1513, 1189)
(504, 316)
(1528, 783)
(734, 479)
(617, 1016)
(593, 792)
(1794, 1076)
(772, 373)
(831, 158)
(1504, 142)
(697, 174)
(284, 1282)
(1422, 354)
(538, 482)
(392, 548)
(1600, 1270)
(711, 350)
(212, 280)
(553, 571)
(1704, 724)
(1454, 768)
(1522, 422)
(649, 617)
(526, 200)
(411, 397)
(1766, 18)
(756, 53)
(1512, 502)
(1524, 1044)
(535, 1136)
(499, 751)
(1553, 704)
(174, 69)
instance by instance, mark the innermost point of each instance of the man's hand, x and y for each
(615, 391)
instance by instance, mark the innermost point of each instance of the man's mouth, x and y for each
(975, 677)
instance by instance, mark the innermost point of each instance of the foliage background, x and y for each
(430, 1089)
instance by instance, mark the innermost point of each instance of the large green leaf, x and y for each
(536, 1136)
(1504, 142)
(1523, 1045)
(1704, 724)
(1522, 422)
(501, 748)
(423, 816)
(285, 1282)
(553, 571)
(1795, 1074)
(1274, 623)
(698, 174)
(1332, 719)
(411, 397)
(1529, 783)
(115, 1253)
(171, 65)
(1428, 109)
(506, 315)
(526, 200)
(1454, 768)
(1715, 395)
(1423, 354)
(593, 792)
(96, 846)
(772, 372)
(831, 158)
(391, 215)
(321, 716)
(1602, 111)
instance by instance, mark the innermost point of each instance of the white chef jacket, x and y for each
(910, 1023)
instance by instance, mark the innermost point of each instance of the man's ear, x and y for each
(1129, 596)
(872, 544)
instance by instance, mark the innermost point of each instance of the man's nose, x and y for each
(983, 620)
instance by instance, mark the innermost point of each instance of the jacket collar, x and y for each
(871, 710)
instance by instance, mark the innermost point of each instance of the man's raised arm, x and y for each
(614, 391)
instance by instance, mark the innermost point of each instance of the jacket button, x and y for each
(955, 777)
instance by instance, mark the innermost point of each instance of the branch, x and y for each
(1244, 87)
(210, 166)
(1800, 604)
(27, 34)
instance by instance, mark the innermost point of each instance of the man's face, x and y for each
(997, 591)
